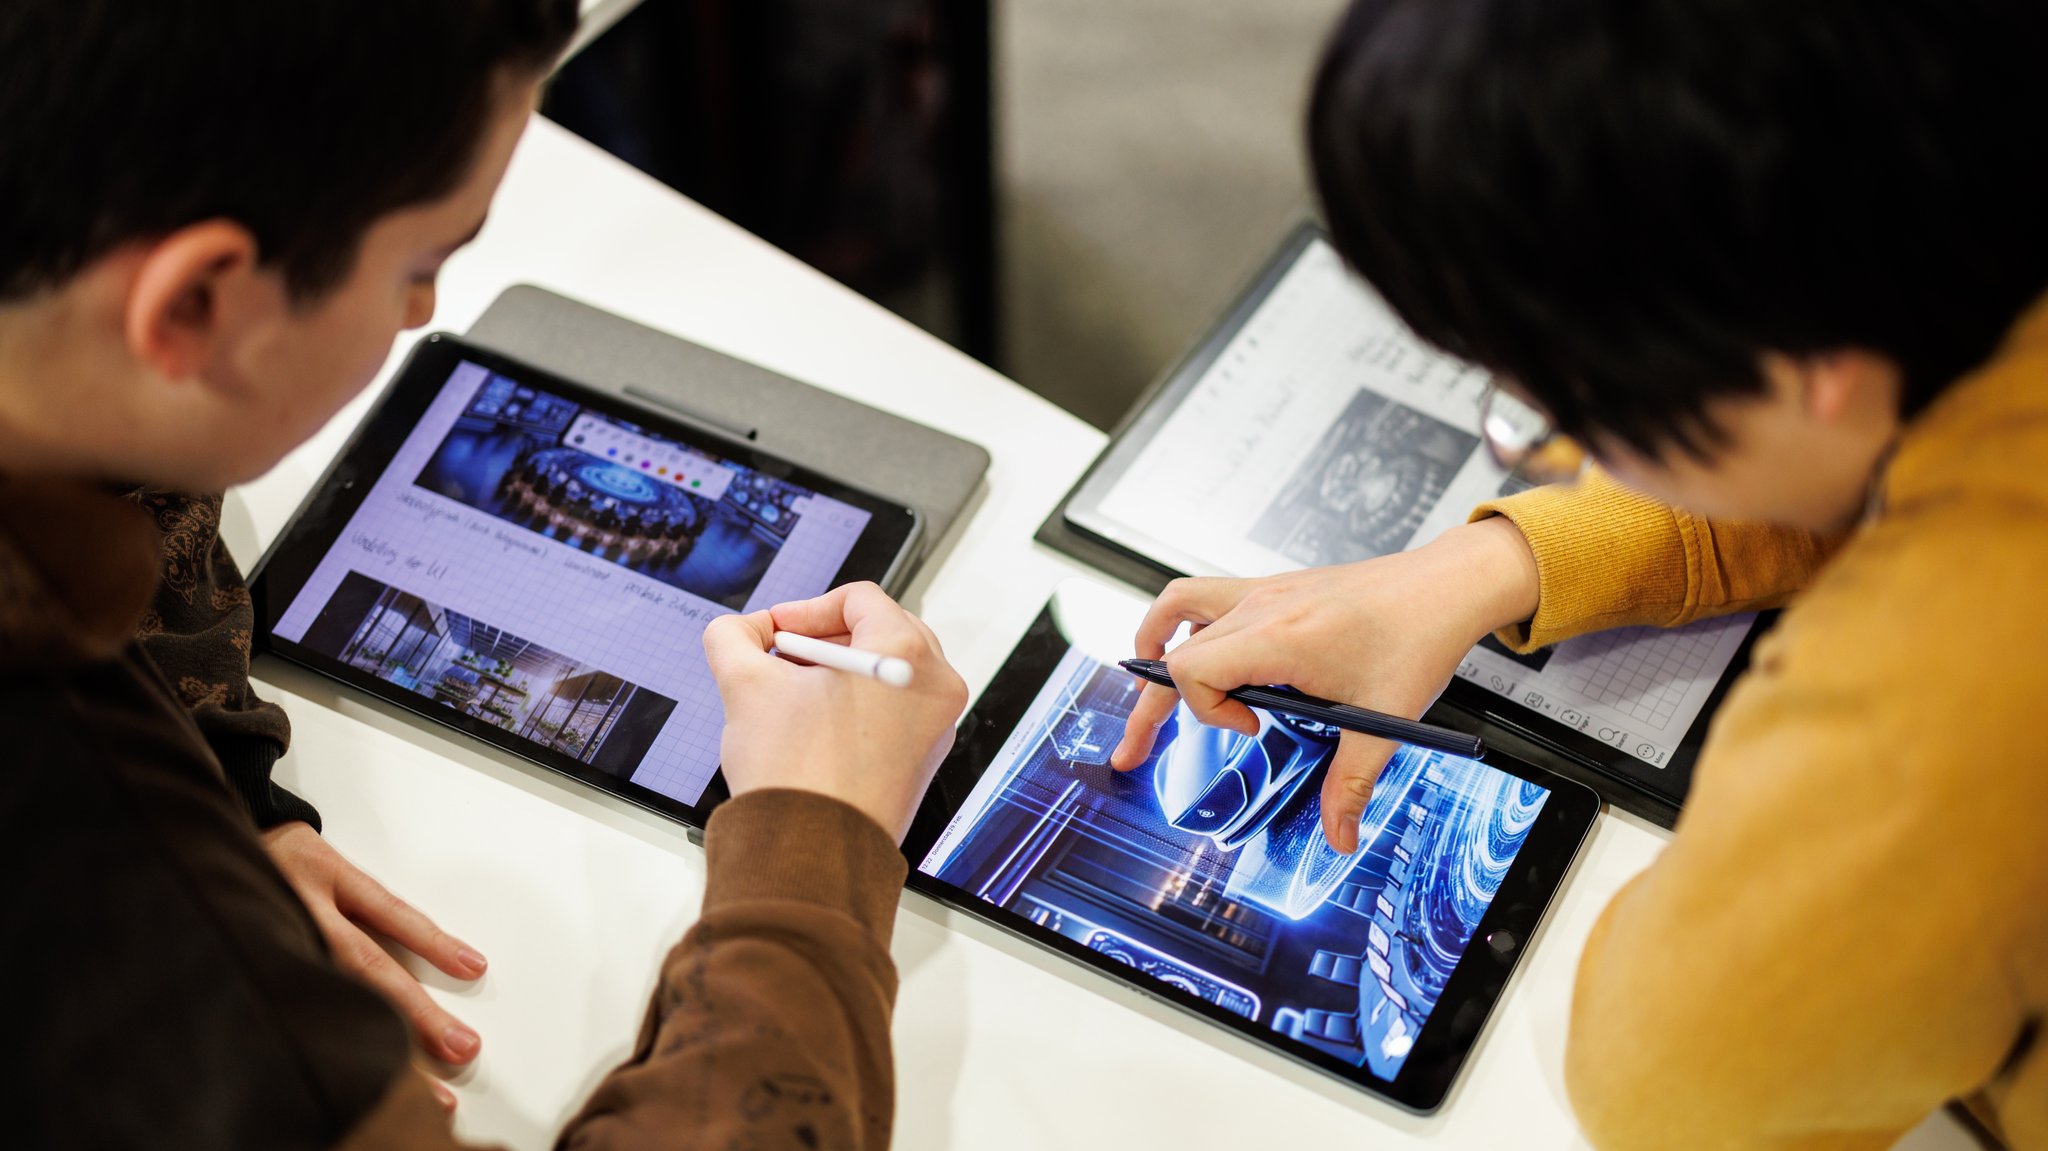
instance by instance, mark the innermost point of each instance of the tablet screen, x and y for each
(539, 562)
(1206, 868)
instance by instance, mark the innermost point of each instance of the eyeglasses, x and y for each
(1522, 441)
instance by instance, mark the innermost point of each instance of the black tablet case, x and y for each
(938, 474)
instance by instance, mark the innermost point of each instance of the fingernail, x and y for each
(461, 1041)
(468, 957)
(442, 1095)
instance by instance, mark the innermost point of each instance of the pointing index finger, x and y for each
(1155, 704)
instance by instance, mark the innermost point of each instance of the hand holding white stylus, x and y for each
(839, 657)
(849, 737)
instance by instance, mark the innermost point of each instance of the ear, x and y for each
(185, 295)
(1831, 387)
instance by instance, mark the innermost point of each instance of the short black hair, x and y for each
(303, 120)
(1622, 204)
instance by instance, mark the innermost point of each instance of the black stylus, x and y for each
(1288, 701)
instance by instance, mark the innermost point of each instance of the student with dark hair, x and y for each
(215, 216)
(1780, 268)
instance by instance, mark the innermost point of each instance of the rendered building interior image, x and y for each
(489, 674)
(507, 456)
(1368, 485)
(1206, 868)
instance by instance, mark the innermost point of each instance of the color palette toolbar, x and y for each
(660, 459)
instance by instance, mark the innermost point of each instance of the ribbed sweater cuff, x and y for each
(248, 766)
(788, 844)
(1605, 557)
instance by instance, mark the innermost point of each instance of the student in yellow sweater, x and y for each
(1781, 264)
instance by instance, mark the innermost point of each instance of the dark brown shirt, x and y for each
(171, 992)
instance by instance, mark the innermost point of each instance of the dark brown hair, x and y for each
(303, 120)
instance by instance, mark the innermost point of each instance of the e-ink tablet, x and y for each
(1203, 877)
(534, 563)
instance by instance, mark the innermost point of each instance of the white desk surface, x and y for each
(574, 896)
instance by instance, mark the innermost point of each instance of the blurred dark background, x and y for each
(1066, 190)
(853, 134)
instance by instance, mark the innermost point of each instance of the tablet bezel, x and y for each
(317, 525)
(1476, 985)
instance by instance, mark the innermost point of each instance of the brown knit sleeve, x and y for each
(770, 1025)
(198, 633)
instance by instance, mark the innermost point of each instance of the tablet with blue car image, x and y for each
(1205, 873)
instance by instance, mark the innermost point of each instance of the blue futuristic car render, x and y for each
(1215, 782)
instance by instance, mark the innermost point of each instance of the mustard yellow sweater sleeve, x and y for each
(1608, 557)
(1845, 931)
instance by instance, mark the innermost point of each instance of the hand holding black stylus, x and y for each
(1288, 701)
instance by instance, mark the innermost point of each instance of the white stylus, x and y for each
(886, 668)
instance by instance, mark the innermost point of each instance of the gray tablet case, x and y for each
(938, 474)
